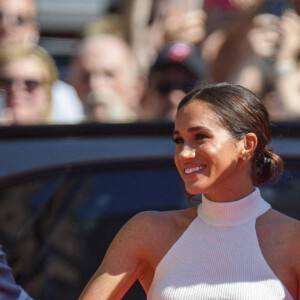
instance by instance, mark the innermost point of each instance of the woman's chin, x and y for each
(193, 190)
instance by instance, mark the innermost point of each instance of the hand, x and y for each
(244, 5)
(290, 42)
(265, 35)
(189, 26)
(181, 20)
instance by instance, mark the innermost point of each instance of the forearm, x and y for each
(288, 89)
(105, 287)
(233, 48)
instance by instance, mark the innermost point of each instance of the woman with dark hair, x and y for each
(233, 245)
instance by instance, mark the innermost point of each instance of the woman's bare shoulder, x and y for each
(145, 227)
(157, 231)
(283, 227)
(287, 231)
(276, 217)
(148, 228)
(279, 238)
(147, 223)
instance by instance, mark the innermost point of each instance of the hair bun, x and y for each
(268, 165)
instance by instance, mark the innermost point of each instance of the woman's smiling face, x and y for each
(206, 156)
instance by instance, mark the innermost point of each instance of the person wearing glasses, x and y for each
(178, 68)
(27, 73)
(18, 25)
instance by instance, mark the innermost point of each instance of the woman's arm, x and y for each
(122, 265)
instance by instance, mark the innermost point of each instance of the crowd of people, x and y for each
(28, 72)
(136, 63)
(200, 64)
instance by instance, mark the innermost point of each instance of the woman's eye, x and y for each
(200, 136)
(177, 140)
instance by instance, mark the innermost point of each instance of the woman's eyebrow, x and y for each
(196, 128)
(199, 128)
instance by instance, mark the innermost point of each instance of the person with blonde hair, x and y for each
(27, 73)
(19, 25)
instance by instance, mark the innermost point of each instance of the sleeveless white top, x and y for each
(219, 257)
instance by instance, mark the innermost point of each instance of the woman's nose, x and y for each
(188, 152)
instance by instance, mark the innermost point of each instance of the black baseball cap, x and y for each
(184, 54)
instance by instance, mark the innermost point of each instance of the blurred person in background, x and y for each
(259, 47)
(244, 51)
(218, 28)
(229, 52)
(106, 79)
(178, 69)
(18, 22)
(110, 23)
(238, 39)
(149, 24)
(27, 73)
(283, 101)
(18, 25)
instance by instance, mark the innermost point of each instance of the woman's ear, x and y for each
(249, 146)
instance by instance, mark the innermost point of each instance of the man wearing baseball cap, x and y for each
(178, 68)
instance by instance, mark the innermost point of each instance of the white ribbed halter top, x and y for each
(219, 257)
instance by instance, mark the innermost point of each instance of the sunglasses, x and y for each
(166, 86)
(29, 84)
(15, 19)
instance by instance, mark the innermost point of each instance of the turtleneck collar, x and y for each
(235, 213)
